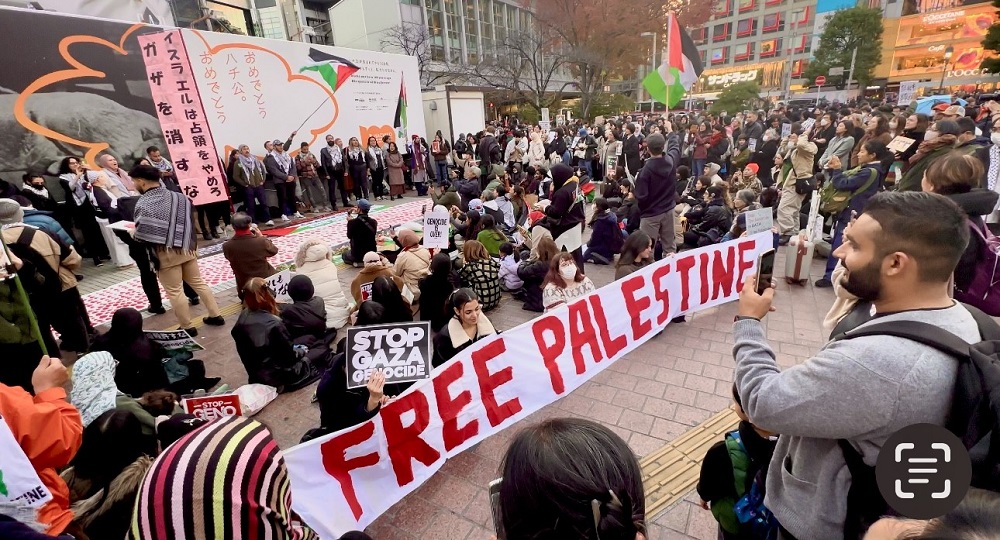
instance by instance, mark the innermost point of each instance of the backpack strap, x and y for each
(924, 333)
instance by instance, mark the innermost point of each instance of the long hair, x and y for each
(555, 277)
(473, 250)
(636, 243)
(64, 164)
(258, 297)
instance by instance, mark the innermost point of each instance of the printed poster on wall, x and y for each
(401, 351)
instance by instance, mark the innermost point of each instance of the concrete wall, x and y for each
(468, 112)
(360, 24)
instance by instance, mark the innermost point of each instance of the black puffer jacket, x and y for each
(714, 215)
(976, 203)
(265, 348)
(532, 273)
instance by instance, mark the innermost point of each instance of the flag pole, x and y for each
(313, 113)
(670, 26)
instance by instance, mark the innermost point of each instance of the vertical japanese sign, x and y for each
(182, 117)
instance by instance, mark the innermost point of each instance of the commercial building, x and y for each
(766, 41)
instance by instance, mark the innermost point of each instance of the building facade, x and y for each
(766, 41)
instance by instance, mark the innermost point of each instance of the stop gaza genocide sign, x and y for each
(401, 351)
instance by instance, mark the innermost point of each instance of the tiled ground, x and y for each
(650, 397)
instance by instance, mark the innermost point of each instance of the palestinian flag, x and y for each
(334, 69)
(680, 69)
(399, 122)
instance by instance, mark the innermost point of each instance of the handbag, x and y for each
(803, 185)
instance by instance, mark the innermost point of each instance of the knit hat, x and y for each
(655, 143)
(476, 205)
(372, 259)
(279, 142)
(713, 168)
(364, 205)
(753, 167)
(10, 212)
(407, 238)
(300, 288)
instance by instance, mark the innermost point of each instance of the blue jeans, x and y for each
(698, 165)
(588, 166)
(838, 238)
(442, 170)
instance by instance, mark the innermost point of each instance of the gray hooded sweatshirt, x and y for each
(862, 389)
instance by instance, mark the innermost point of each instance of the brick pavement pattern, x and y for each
(650, 397)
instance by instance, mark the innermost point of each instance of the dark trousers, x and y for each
(255, 196)
(86, 220)
(377, 176)
(335, 183)
(71, 321)
(286, 197)
(206, 221)
(442, 170)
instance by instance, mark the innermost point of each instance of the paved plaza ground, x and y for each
(671, 386)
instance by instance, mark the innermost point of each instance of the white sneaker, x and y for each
(298, 215)
(270, 223)
(284, 218)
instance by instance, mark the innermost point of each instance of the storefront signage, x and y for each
(722, 81)
(977, 72)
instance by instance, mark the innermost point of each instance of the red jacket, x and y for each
(50, 431)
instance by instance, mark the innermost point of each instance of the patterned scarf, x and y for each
(284, 160)
(994, 173)
(249, 163)
(226, 479)
(928, 147)
(163, 165)
(163, 218)
(94, 390)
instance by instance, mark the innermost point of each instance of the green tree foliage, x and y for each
(848, 29)
(992, 43)
(737, 97)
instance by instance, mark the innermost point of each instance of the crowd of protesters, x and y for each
(528, 210)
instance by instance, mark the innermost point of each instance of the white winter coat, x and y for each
(323, 274)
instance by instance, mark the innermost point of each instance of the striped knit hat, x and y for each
(226, 480)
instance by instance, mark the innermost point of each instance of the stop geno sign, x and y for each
(820, 80)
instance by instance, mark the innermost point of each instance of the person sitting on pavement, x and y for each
(468, 187)
(140, 366)
(341, 407)
(370, 312)
(94, 391)
(413, 262)
(49, 431)
(387, 293)
(467, 325)
(315, 261)
(235, 448)
(375, 266)
(637, 252)
(744, 453)
(602, 499)
(501, 203)
(305, 319)
(606, 239)
(481, 273)
(361, 231)
(435, 289)
(907, 277)
(533, 271)
(444, 194)
(247, 252)
(42, 219)
(466, 226)
(708, 222)
(491, 237)
(565, 283)
(265, 346)
(509, 281)
(628, 212)
(565, 215)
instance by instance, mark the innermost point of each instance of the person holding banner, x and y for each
(468, 324)
(565, 283)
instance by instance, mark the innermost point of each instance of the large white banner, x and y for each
(256, 89)
(346, 480)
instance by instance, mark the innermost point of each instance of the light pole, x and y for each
(648, 34)
(947, 56)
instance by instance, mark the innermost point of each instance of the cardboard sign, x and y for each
(174, 340)
(760, 220)
(366, 291)
(401, 351)
(752, 145)
(345, 480)
(900, 144)
(278, 283)
(907, 93)
(436, 228)
(612, 165)
(213, 407)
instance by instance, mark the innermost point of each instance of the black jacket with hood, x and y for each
(976, 204)
(656, 185)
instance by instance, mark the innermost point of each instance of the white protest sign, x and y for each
(436, 229)
(213, 407)
(20, 486)
(758, 221)
(907, 92)
(808, 124)
(401, 351)
(752, 145)
(900, 144)
(174, 340)
(345, 480)
(786, 130)
(278, 283)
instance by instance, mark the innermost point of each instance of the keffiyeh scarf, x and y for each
(249, 163)
(94, 390)
(283, 159)
(163, 218)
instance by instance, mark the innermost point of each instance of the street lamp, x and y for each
(947, 56)
(648, 34)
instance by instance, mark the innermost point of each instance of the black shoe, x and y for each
(157, 310)
(215, 235)
(599, 259)
(191, 331)
(194, 301)
(79, 277)
(207, 236)
(823, 283)
(98, 262)
(679, 319)
(218, 320)
(208, 383)
(783, 241)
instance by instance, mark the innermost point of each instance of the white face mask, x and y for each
(995, 138)
(567, 272)
(824, 122)
(930, 135)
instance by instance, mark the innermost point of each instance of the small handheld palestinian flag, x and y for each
(680, 69)
(334, 69)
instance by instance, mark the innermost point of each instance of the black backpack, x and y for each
(974, 417)
(41, 282)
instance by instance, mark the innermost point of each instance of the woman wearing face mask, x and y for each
(467, 325)
(823, 132)
(939, 139)
(896, 125)
(763, 157)
(565, 283)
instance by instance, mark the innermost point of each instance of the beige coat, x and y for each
(48, 248)
(394, 163)
(802, 161)
(411, 266)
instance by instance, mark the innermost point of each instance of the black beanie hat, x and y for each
(300, 288)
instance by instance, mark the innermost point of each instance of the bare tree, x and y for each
(525, 65)
(414, 40)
